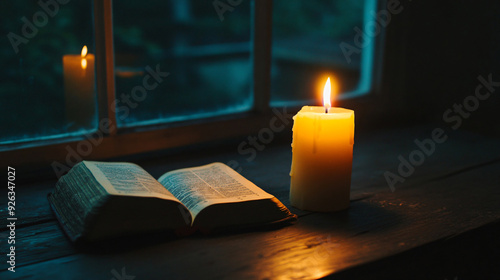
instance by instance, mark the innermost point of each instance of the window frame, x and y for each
(126, 141)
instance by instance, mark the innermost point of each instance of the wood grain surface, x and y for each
(442, 222)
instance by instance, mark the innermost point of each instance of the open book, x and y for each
(99, 200)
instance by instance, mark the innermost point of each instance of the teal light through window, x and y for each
(45, 93)
(207, 59)
(313, 40)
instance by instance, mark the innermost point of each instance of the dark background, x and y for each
(434, 52)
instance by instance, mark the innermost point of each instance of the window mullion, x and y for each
(105, 66)
(262, 31)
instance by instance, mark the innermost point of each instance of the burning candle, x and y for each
(323, 139)
(79, 88)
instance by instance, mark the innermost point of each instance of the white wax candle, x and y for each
(79, 88)
(322, 159)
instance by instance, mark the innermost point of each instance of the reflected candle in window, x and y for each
(323, 139)
(79, 88)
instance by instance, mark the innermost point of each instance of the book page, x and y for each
(122, 178)
(199, 187)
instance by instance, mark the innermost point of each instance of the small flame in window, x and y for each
(84, 60)
(84, 63)
(84, 51)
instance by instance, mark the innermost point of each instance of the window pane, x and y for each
(307, 38)
(205, 51)
(42, 97)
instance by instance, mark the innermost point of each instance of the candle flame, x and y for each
(84, 63)
(327, 91)
(84, 51)
(84, 55)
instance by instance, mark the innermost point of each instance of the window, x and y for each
(307, 38)
(162, 66)
(39, 49)
(207, 60)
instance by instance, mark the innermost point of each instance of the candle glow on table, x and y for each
(79, 87)
(323, 139)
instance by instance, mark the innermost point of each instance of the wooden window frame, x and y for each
(117, 142)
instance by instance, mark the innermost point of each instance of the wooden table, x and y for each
(441, 223)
